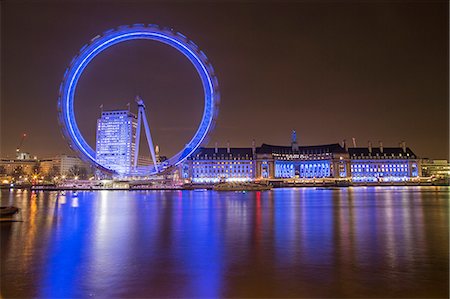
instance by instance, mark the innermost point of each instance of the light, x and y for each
(108, 39)
(76, 177)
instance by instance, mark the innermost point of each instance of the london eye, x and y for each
(66, 112)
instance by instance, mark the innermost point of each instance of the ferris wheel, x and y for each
(66, 112)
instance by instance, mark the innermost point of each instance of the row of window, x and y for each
(220, 170)
(216, 163)
(206, 157)
(222, 175)
(308, 170)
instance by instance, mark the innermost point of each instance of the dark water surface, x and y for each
(349, 242)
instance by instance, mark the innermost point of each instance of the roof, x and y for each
(118, 112)
(336, 148)
(210, 152)
(387, 151)
(313, 149)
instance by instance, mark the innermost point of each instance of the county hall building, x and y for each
(319, 163)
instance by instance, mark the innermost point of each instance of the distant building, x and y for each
(19, 166)
(435, 168)
(62, 165)
(115, 142)
(24, 156)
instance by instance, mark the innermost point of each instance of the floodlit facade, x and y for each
(213, 165)
(115, 142)
(391, 164)
(302, 162)
(318, 163)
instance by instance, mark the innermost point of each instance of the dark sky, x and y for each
(331, 70)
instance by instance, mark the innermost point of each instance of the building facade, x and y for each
(294, 163)
(213, 165)
(115, 142)
(19, 167)
(302, 162)
(436, 169)
(62, 164)
(392, 164)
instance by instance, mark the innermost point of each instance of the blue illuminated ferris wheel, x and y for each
(98, 44)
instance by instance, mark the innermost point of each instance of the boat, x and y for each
(8, 211)
(8, 214)
(241, 187)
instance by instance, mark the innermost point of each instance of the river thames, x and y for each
(304, 242)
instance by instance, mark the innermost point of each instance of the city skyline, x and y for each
(317, 68)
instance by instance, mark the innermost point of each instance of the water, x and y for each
(350, 242)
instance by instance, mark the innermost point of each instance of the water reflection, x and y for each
(350, 242)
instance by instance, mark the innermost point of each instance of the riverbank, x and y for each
(211, 186)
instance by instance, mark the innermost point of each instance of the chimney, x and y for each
(253, 146)
(354, 141)
(381, 146)
(404, 146)
(294, 143)
(228, 147)
(216, 150)
(370, 147)
(344, 144)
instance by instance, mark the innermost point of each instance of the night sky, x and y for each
(331, 70)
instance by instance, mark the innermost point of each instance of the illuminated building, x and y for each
(305, 162)
(62, 163)
(318, 163)
(23, 166)
(383, 164)
(115, 141)
(23, 156)
(211, 165)
(302, 162)
(436, 169)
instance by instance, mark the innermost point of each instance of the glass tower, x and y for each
(115, 143)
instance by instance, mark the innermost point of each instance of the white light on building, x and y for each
(115, 140)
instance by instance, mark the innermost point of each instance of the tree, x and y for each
(17, 172)
(77, 171)
(36, 168)
(52, 173)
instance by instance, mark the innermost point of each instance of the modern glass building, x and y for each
(116, 131)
